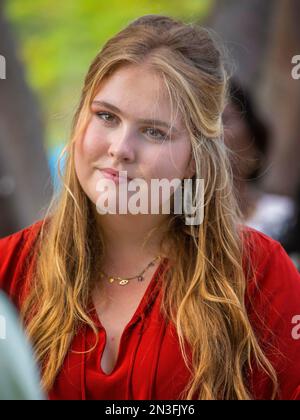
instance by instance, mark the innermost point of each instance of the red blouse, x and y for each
(149, 364)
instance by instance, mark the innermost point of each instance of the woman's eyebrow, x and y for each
(143, 121)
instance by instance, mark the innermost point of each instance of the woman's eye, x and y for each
(109, 118)
(106, 116)
(157, 134)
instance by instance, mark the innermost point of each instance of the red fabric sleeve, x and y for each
(274, 301)
(15, 258)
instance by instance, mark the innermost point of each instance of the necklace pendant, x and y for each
(123, 282)
(140, 278)
(111, 280)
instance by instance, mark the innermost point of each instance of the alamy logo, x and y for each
(296, 69)
(2, 327)
(2, 67)
(138, 197)
(296, 329)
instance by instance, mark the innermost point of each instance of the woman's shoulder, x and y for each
(264, 256)
(273, 282)
(15, 239)
(273, 304)
(15, 252)
(268, 266)
(257, 245)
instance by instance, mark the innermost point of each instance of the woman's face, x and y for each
(131, 114)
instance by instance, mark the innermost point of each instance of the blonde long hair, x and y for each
(204, 288)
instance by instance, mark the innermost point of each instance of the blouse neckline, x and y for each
(145, 302)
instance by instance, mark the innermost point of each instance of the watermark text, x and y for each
(159, 196)
(2, 328)
(296, 68)
(2, 67)
(296, 329)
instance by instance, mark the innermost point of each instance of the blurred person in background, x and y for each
(249, 141)
(290, 238)
(19, 378)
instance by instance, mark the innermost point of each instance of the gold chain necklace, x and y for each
(124, 281)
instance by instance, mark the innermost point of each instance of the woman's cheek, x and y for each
(168, 164)
(93, 144)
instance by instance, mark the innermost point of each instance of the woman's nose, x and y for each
(122, 145)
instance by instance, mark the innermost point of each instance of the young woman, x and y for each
(147, 306)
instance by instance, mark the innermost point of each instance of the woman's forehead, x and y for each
(138, 90)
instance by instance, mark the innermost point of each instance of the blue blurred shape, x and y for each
(53, 156)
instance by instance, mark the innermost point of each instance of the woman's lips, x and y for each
(115, 177)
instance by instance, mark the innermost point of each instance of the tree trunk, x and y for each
(25, 183)
(280, 96)
(243, 26)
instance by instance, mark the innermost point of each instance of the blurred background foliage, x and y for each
(58, 40)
